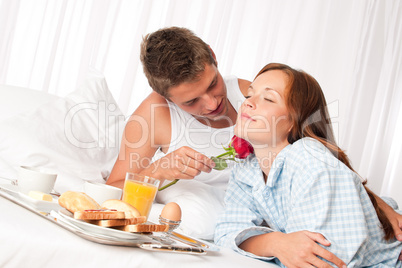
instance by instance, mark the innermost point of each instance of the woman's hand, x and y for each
(184, 163)
(300, 249)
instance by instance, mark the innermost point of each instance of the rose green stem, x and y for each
(226, 153)
(168, 185)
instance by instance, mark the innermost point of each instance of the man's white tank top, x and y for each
(188, 131)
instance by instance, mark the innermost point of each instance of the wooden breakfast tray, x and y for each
(144, 241)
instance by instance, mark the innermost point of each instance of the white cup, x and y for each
(35, 179)
(101, 192)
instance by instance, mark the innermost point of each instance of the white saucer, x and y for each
(40, 205)
(44, 206)
(10, 189)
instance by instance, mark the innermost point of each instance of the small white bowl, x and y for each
(101, 192)
(35, 179)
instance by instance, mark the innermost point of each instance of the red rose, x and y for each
(242, 147)
(238, 148)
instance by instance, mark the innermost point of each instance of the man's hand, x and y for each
(396, 221)
(394, 217)
(184, 163)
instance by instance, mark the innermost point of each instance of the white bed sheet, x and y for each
(29, 240)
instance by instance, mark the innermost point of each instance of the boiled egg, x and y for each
(171, 211)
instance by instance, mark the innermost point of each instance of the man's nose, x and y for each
(211, 103)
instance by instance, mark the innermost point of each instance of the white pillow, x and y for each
(78, 135)
(201, 205)
(17, 100)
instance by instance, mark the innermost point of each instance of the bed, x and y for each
(78, 137)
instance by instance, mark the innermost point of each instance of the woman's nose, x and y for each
(249, 102)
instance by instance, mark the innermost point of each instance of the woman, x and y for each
(299, 179)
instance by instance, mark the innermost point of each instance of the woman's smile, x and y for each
(246, 117)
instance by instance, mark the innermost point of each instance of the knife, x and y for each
(175, 248)
(192, 242)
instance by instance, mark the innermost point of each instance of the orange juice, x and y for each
(141, 195)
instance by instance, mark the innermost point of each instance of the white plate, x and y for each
(44, 206)
(92, 228)
(40, 205)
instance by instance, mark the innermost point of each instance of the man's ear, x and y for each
(213, 55)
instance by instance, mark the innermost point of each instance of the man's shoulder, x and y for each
(154, 98)
(154, 104)
(153, 113)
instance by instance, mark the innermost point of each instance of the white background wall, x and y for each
(353, 48)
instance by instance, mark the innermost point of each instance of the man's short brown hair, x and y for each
(172, 56)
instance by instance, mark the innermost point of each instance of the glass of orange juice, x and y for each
(140, 191)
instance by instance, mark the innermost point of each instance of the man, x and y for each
(181, 69)
(187, 119)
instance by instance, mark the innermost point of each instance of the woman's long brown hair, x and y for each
(310, 118)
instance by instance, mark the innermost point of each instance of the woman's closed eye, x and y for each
(267, 99)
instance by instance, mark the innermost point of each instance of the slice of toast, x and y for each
(144, 228)
(131, 212)
(77, 201)
(119, 222)
(99, 214)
